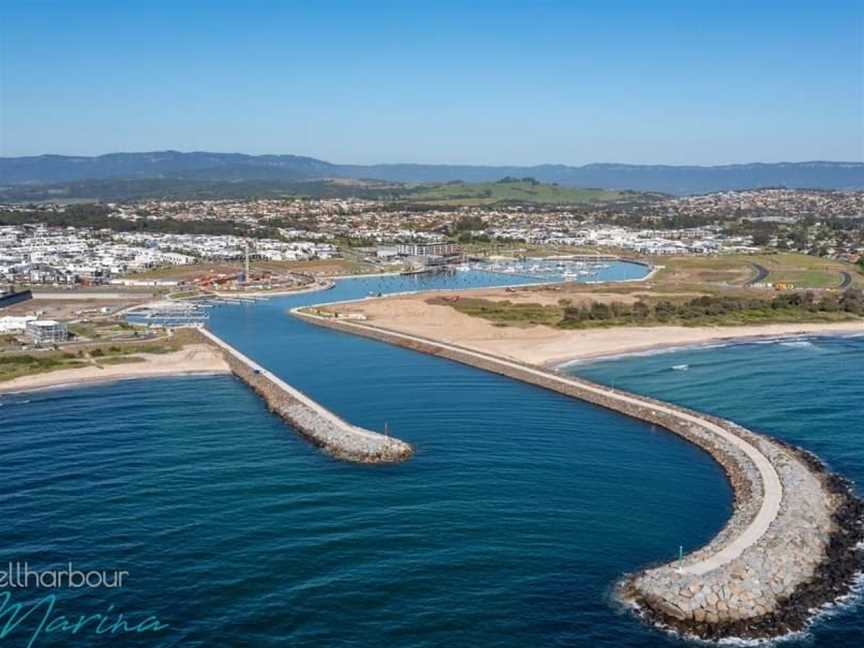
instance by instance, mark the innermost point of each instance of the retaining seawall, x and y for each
(318, 424)
(11, 298)
(790, 546)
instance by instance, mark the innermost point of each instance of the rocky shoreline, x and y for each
(833, 578)
(790, 547)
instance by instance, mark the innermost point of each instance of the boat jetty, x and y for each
(169, 313)
(192, 311)
(557, 268)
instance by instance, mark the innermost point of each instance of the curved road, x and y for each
(847, 280)
(761, 274)
(772, 487)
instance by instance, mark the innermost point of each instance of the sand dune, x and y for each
(544, 345)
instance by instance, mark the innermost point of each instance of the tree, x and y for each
(761, 238)
(830, 303)
(641, 310)
(600, 311)
(664, 310)
(468, 224)
(852, 301)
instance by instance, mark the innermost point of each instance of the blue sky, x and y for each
(695, 82)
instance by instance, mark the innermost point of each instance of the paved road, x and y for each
(74, 295)
(761, 274)
(773, 488)
(847, 280)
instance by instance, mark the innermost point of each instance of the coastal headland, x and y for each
(790, 546)
(335, 436)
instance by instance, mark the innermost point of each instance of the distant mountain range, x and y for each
(173, 165)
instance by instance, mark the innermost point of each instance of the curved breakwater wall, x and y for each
(791, 545)
(323, 428)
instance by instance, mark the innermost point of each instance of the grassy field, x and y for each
(707, 273)
(116, 360)
(806, 278)
(16, 364)
(25, 364)
(688, 291)
(694, 272)
(104, 331)
(489, 193)
(799, 270)
(804, 271)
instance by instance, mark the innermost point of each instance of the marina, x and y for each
(188, 312)
(598, 474)
(432, 325)
(540, 268)
(171, 313)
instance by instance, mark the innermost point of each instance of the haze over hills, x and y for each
(204, 166)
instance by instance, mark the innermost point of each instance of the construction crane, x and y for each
(246, 265)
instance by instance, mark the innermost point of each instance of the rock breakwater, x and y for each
(323, 428)
(790, 546)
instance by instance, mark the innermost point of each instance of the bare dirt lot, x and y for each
(73, 308)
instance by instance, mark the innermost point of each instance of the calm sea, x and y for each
(518, 514)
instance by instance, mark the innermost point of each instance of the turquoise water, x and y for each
(508, 528)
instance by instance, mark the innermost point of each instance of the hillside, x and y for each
(237, 167)
(181, 188)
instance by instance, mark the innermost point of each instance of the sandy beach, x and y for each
(543, 345)
(191, 359)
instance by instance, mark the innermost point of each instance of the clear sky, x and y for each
(503, 82)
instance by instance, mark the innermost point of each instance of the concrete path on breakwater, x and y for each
(776, 558)
(772, 488)
(336, 436)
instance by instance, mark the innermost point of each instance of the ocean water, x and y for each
(807, 390)
(510, 526)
